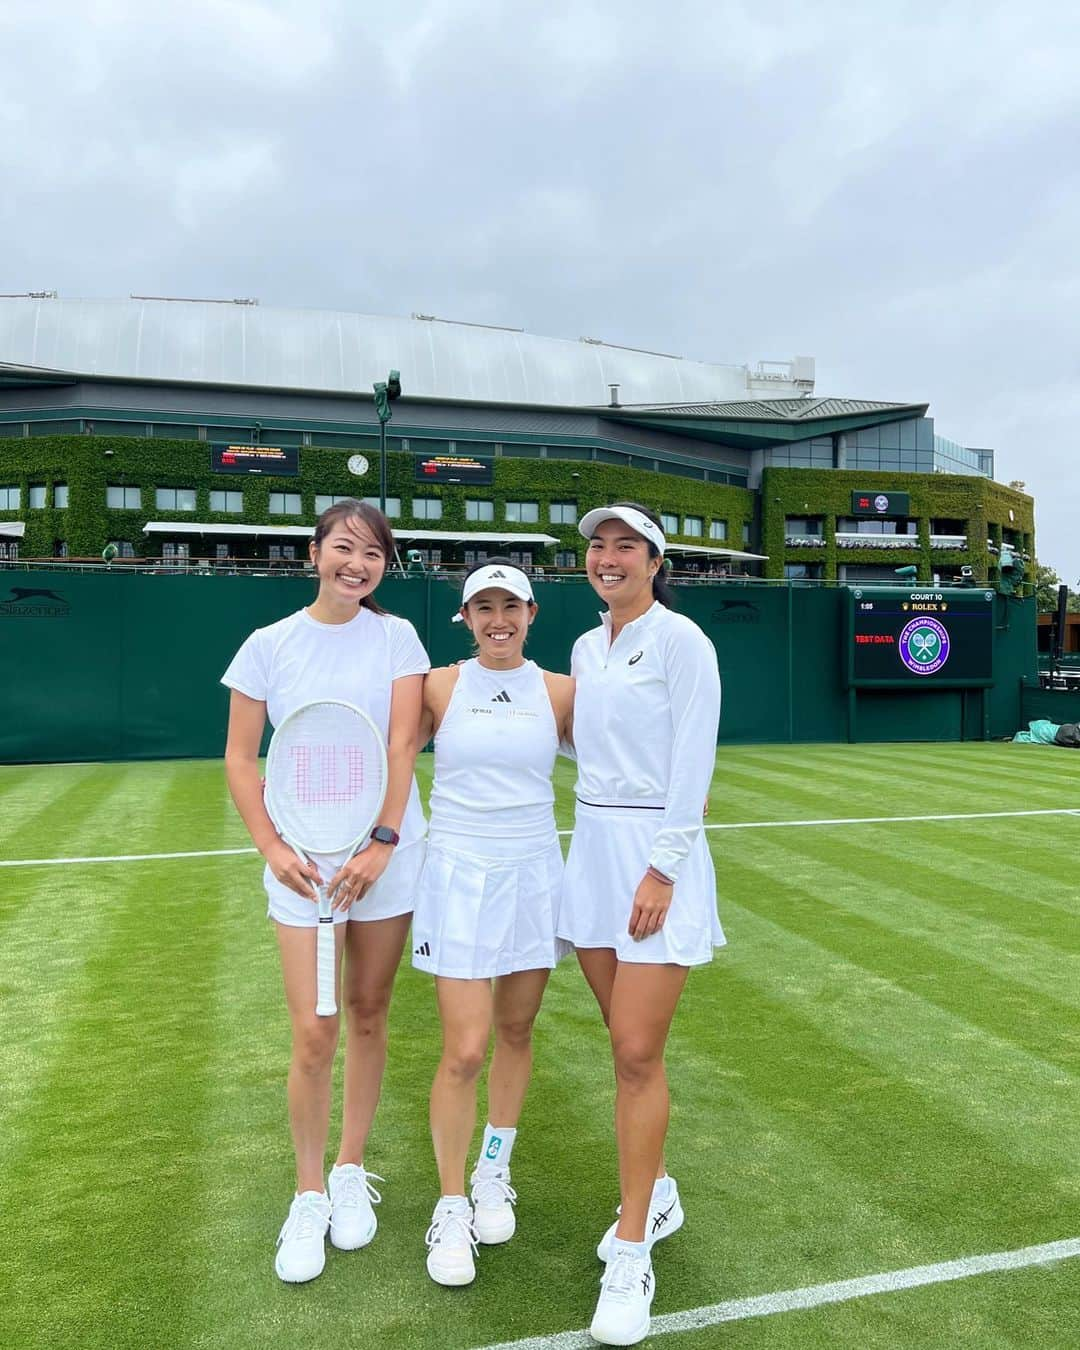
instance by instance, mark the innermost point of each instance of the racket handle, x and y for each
(325, 1001)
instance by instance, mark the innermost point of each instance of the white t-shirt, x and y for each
(299, 660)
(646, 713)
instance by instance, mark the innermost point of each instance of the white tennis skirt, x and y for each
(477, 917)
(391, 896)
(608, 857)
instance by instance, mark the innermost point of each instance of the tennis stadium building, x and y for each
(188, 430)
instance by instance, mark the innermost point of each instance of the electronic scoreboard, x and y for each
(938, 637)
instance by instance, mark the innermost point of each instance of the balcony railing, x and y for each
(803, 541)
(954, 541)
(851, 539)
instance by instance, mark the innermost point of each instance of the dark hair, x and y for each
(349, 508)
(662, 592)
(497, 561)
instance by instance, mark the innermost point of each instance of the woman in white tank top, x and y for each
(486, 906)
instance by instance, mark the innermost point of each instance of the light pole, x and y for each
(385, 393)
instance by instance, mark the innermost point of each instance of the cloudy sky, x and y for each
(896, 194)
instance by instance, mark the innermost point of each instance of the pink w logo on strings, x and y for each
(327, 775)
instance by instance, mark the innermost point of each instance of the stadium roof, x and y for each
(778, 409)
(252, 346)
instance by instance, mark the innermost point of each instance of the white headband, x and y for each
(629, 516)
(498, 576)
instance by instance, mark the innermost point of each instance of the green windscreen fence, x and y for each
(124, 665)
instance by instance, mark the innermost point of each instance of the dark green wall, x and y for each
(118, 665)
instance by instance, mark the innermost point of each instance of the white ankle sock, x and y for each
(662, 1187)
(498, 1145)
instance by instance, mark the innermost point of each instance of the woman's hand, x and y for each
(356, 878)
(291, 870)
(652, 900)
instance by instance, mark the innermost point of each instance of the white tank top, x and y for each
(494, 753)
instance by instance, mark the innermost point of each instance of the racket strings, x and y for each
(327, 775)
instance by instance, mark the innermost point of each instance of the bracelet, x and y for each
(657, 875)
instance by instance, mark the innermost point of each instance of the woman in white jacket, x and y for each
(639, 894)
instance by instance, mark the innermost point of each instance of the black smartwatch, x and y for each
(383, 834)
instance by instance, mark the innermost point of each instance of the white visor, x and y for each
(496, 576)
(635, 519)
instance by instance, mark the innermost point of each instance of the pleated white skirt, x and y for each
(477, 917)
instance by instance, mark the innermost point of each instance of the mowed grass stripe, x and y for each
(913, 879)
(1018, 1100)
(102, 1152)
(66, 799)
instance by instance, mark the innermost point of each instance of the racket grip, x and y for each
(325, 1001)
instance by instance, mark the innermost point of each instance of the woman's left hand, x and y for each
(652, 900)
(356, 878)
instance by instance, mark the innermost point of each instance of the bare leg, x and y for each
(372, 955)
(643, 1003)
(517, 1001)
(314, 1040)
(598, 965)
(465, 1009)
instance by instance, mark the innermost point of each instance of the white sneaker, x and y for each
(626, 1293)
(301, 1254)
(493, 1204)
(665, 1217)
(352, 1221)
(451, 1241)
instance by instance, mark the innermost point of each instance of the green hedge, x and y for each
(88, 464)
(984, 506)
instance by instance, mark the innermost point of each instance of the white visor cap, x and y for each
(635, 519)
(498, 576)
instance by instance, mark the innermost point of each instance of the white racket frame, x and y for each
(325, 956)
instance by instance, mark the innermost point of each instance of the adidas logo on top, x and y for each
(502, 697)
(423, 950)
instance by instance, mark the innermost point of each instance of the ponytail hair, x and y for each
(661, 587)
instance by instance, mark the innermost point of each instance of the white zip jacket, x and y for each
(646, 713)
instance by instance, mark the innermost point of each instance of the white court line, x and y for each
(735, 825)
(841, 1291)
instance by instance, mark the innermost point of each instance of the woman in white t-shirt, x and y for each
(343, 646)
(486, 905)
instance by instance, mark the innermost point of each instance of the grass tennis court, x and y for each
(882, 1071)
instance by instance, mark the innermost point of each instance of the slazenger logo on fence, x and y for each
(737, 611)
(924, 646)
(29, 602)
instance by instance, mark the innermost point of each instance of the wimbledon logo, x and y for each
(924, 646)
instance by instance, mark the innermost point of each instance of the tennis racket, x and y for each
(325, 784)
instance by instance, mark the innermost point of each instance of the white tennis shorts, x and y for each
(477, 917)
(391, 895)
(608, 857)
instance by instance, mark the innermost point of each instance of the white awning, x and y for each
(12, 529)
(471, 537)
(199, 527)
(306, 531)
(737, 554)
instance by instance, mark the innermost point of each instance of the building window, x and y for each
(393, 506)
(285, 503)
(60, 548)
(227, 501)
(9, 498)
(692, 526)
(566, 557)
(221, 551)
(174, 499)
(475, 555)
(478, 509)
(746, 533)
(427, 508)
(809, 526)
(803, 571)
(123, 498)
(718, 529)
(878, 525)
(430, 557)
(282, 553)
(522, 513)
(324, 501)
(9, 550)
(60, 495)
(669, 524)
(124, 549)
(521, 557)
(36, 500)
(563, 513)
